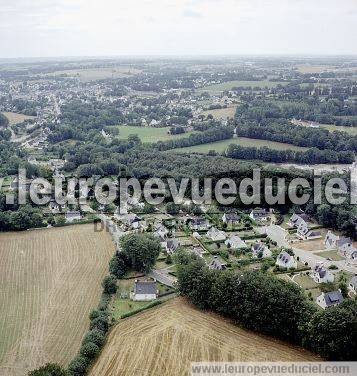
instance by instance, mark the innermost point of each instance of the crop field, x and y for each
(221, 146)
(221, 113)
(166, 339)
(15, 118)
(307, 68)
(231, 84)
(50, 280)
(148, 134)
(93, 74)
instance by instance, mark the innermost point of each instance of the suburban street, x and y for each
(278, 234)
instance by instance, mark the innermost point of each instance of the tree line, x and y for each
(268, 305)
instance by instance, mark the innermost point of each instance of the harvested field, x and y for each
(166, 339)
(15, 118)
(221, 113)
(50, 280)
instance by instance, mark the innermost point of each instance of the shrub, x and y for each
(90, 350)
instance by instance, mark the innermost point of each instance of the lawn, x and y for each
(333, 255)
(148, 134)
(231, 84)
(221, 146)
(305, 282)
(335, 128)
(221, 113)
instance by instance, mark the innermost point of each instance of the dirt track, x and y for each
(166, 339)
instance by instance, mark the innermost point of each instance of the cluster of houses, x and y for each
(343, 245)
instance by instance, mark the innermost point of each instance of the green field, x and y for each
(148, 134)
(333, 255)
(221, 146)
(230, 84)
(333, 128)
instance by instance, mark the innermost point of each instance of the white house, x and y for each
(144, 291)
(331, 240)
(321, 275)
(297, 219)
(230, 218)
(260, 250)
(329, 299)
(235, 242)
(352, 286)
(215, 235)
(284, 260)
(199, 224)
(259, 215)
(73, 216)
(304, 233)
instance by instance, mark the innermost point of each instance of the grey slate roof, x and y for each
(333, 298)
(145, 287)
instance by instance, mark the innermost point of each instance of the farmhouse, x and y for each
(145, 290)
(73, 216)
(230, 218)
(217, 265)
(215, 235)
(259, 215)
(284, 260)
(260, 250)
(352, 286)
(321, 275)
(235, 242)
(329, 299)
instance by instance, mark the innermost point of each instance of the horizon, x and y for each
(178, 28)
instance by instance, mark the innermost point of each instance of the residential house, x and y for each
(171, 245)
(235, 242)
(145, 291)
(259, 215)
(230, 218)
(284, 260)
(216, 235)
(352, 286)
(217, 265)
(304, 233)
(297, 219)
(72, 216)
(54, 207)
(329, 299)
(196, 235)
(198, 251)
(347, 250)
(333, 241)
(199, 224)
(260, 250)
(321, 275)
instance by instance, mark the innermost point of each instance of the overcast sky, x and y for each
(39, 28)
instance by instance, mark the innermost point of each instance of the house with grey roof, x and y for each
(235, 242)
(199, 224)
(284, 260)
(144, 290)
(230, 218)
(329, 299)
(321, 275)
(352, 286)
(297, 219)
(171, 245)
(217, 265)
(304, 233)
(72, 216)
(259, 215)
(215, 234)
(260, 250)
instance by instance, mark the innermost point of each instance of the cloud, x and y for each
(192, 13)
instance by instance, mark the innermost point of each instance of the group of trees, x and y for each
(138, 252)
(268, 305)
(22, 218)
(311, 156)
(4, 121)
(282, 131)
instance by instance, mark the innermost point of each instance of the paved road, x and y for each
(278, 234)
